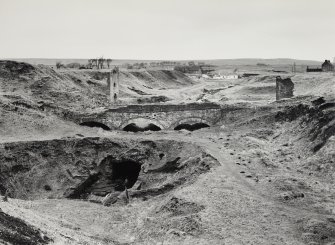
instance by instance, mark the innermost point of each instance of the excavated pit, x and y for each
(113, 176)
(91, 168)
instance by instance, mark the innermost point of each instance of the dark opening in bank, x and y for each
(134, 128)
(95, 125)
(112, 176)
(191, 127)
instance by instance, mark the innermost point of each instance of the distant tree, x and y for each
(108, 62)
(95, 63)
(90, 63)
(101, 62)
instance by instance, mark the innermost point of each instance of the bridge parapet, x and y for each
(164, 116)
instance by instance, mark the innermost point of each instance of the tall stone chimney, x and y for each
(113, 84)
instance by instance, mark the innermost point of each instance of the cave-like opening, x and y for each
(93, 124)
(133, 127)
(191, 127)
(112, 175)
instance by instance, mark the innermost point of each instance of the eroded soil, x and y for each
(265, 176)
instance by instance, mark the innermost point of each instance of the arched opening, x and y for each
(191, 127)
(141, 124)
(116, 175)
(112, 176)
(133, 127)
(93, 124)
(125, 174)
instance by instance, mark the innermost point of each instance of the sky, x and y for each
(167, 29)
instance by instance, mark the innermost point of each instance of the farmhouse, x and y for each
(327, 66)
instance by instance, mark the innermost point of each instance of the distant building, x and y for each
(249, 74)
(222, 77)
(313, 69)
(327, 66)
(232, 76)
(217, 77)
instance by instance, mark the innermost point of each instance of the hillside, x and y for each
(218, 62)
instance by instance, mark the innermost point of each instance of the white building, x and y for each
(232, 76)
(218, 77)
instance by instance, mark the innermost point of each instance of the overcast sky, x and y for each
(167, 29)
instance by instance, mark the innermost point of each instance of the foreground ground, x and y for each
(273, 182)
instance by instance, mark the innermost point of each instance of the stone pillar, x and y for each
(284, 88)
(109, 86)
(113, 84)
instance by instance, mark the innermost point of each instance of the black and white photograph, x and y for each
(167, 122)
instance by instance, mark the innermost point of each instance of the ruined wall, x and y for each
(164, 108)
(284, 88)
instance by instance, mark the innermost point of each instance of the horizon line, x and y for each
(132, 59)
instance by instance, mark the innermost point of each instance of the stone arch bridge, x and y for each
(165, 116)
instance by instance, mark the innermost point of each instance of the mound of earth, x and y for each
(162, 78)
(15, 231)
(13, 69)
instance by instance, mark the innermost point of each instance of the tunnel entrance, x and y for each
(133, 127)
(191, 127)
(112, 176)
(93, 124)
(116, 175)
(124, 174)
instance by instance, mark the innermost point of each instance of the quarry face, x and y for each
(172, 159)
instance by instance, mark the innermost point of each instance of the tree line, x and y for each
(99, 63)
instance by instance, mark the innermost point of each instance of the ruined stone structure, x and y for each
(327, 66)
(113, 85)
(164, 116)
(284, 88)
(313, 69)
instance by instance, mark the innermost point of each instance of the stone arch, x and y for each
(148, 120)
(190, 120)
(94, 124)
